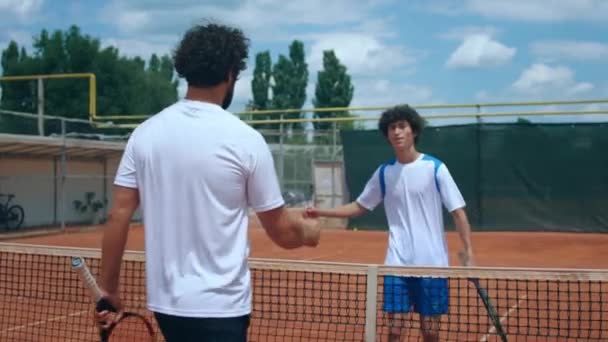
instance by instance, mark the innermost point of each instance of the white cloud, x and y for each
(263, 19)
(22, 8)
(581, 88)
(132, 20)
(540, 10)
(242, 90)
(22, 38)
(384, 92)
(142, 48)
(541, 78)
(480, 51)
(568, 49)
(444, 7)
(482, 95)
(362, 54)
(463, 32)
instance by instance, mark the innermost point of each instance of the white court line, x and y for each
(45, 321)
(492, 330)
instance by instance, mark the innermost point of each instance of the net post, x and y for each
(370, 303)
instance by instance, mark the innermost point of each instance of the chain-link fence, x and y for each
(60, 180)
(61, 169)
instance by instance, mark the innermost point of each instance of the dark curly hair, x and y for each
(399, 113)
(209, 52)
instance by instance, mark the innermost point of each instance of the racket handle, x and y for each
(104, 305)
(80, 267)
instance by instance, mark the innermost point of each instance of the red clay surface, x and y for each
(493, 249)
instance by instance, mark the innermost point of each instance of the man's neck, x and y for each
(407, 156)
(209, 95)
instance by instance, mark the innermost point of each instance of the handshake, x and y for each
(310, 227)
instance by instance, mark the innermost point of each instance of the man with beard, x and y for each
(195, 169)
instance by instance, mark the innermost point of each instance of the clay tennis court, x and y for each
(315, 316)
(492, 249)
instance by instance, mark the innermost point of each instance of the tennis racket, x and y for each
(130, 326)
(483, 294)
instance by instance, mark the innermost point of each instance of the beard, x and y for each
(228, 98)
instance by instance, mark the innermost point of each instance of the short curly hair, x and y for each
(399, 113)
(209, 52)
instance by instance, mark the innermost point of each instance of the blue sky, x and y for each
(418, 52)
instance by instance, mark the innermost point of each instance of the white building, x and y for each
(47, 175)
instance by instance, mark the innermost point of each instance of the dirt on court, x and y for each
(500, 249)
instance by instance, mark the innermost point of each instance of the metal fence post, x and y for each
(40, 106)
(334, 144)
(479, 168)
(62, 175)
(281, 154)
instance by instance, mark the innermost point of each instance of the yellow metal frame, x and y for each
(90, 76)
(101, 121)
(442, 116)
(367, 109)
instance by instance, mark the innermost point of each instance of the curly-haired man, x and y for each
(413, 186)
(195, 169)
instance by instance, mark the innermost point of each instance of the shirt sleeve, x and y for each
(263, 190)
(450, 194)
(126, 175)
(372, 194)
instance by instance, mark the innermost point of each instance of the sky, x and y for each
(397, 51)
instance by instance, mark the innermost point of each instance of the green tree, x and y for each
(282, 91)
(260, 88)
(260, 85)
(287, 80)
(125, 86)
(333, 89)
(299, 79)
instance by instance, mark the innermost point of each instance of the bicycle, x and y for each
(11, 215)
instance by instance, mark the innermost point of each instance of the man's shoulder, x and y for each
(245, 132)
(431, 158)
(155, 118)
(428, 159)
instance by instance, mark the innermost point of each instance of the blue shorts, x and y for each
(427, 296)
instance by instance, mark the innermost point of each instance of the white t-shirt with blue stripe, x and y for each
(414, 195)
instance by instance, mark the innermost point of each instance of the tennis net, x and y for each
(42, 299)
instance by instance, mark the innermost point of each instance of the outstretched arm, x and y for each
(350, 210)
(464, 230)
(290, 230)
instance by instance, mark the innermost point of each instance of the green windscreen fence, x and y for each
(514, 177)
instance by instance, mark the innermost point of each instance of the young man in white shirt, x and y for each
(195, 169)
(414, 186)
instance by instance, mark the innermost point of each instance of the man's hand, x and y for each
(106, 317)
(466, 258)
(312, 228)
(311, 212)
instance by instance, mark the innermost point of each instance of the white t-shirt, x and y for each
(414, 195)
(198, 168)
